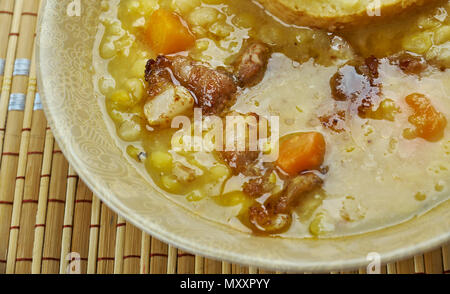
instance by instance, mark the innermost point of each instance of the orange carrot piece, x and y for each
(168, 33)
(302, 152)
(429, 123)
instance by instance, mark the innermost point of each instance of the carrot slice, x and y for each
(168, 33)
(301, 152)
(429, 123)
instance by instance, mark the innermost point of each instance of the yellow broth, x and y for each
(376, 177)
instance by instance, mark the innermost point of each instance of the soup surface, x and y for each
(362, 113)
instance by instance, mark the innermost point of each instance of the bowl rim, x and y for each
(195, 247)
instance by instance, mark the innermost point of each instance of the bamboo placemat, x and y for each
(49, 218)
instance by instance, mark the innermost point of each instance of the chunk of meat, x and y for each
(158, 75)
(429, 123)
(410, 63)
(297, 187)
(334, 121)
(171, 102)
(358, 84)
(247, 162)
(275, 215)
(262, 220)
(369, 68)
(242, 160)
(252, 64)
(260, 186)
(213, 89)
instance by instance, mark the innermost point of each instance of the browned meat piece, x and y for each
(246, 161)
(260, 186)
(157, 74)
(275, 215)
(358, 84)
(410, 63)
(334, 121)
(241, 162)
(369, 68)
(297, 187)
(262, 220)
(252, 64)
(213, 89)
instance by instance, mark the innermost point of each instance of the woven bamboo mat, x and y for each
(48, 217)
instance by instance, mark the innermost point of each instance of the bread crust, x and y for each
(297, 13)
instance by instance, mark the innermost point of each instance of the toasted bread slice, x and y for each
(336, 14)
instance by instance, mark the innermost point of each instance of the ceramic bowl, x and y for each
(75, 111)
